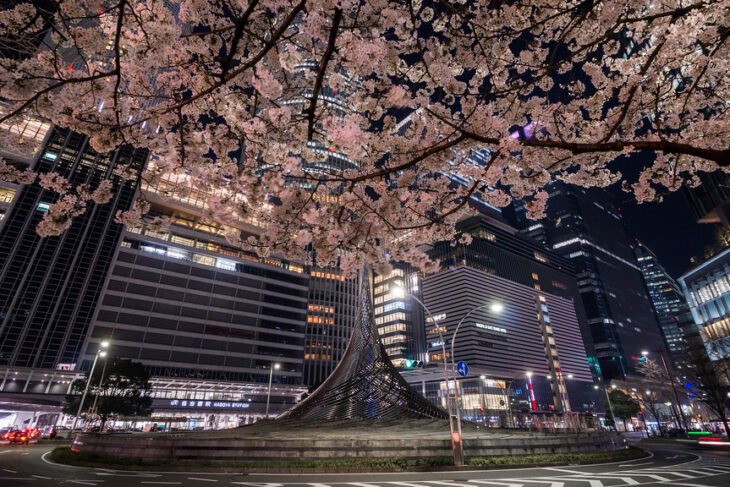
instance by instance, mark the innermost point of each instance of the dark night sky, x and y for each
(668, 228)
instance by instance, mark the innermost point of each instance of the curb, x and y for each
(244, 470)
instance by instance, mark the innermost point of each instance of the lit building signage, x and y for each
(210, 404)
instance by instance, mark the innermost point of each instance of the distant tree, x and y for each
(711, 384)
(650, 400)
(624, 406)
(655, 380)
(124, 391)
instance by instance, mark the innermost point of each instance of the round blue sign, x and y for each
(462, 369)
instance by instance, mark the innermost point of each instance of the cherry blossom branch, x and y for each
(322, 70)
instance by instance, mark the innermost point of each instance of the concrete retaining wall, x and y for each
(183, 447)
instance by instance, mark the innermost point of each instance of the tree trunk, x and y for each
(102, 422)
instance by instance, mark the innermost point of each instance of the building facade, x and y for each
(510, 332)
(50, 286)
(670, 306)
(584, 226)
(707, 290)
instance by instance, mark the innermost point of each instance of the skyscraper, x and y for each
(49, 287)
(584, 226)
(670, 307)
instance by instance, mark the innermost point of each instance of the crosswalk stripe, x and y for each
(625, 480)
(551, 482)
(492, 482)
(446, 483)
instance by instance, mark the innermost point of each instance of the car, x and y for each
(5, 433)
(18, 436)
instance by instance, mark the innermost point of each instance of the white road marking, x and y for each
(202, 480)
(446, 483)
(121, 473)
(42, 477)
(492, 482)
(9, 471)
(43, 457)
(160, 482)
(551, 482)
(564, 470)
(636, 464)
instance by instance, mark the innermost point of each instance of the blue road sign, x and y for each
(462, 369)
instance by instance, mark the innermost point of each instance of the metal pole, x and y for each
(610, 407)
(456, 446)
(674, 389)
(271, 376)
(456, 386)
(96, 396)
(83, 396)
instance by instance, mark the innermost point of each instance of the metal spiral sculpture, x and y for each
(365, 384)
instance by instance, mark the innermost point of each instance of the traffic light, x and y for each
(412, 364)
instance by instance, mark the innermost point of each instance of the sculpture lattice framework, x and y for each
(365, 384)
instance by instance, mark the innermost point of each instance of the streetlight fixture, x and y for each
(671, 381)
(271, 377)
(495, 307)
(456, 445)
(99, 353)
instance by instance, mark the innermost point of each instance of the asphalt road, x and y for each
(669, 464)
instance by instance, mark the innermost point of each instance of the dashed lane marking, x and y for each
(9, 471)
(42, 477)
(202, 480)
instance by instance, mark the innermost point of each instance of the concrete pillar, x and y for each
(50, 383)
(27, 381)
(5, 379)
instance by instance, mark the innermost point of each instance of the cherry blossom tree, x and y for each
(244, 99)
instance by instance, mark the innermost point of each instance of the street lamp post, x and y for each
(671, 381)
(496, 307)
(96, 396)
(610, 406)
(99, 353)
(271, 377)
(456, 445)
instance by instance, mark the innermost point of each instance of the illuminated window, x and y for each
(189, 242)
(228, 265)
(6, 195)
(203, 259)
